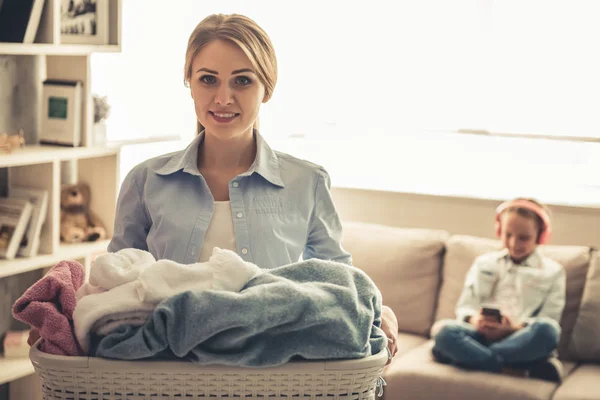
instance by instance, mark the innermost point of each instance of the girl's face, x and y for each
(519, 235)
(226, 90)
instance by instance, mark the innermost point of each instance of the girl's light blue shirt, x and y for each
(281, 207)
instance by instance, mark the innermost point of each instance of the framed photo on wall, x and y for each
(84, 22)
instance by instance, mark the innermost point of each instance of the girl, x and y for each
(522, 289)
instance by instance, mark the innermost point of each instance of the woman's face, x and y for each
(226, 90)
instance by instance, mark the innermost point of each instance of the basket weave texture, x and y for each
(89, 378)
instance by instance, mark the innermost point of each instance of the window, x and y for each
(378, 91)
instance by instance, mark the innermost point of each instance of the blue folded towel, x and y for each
(312, 309)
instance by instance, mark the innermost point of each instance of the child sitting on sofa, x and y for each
(527, 288)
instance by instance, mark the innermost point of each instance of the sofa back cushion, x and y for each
(585, 342)
(462, 250)
(405, 264)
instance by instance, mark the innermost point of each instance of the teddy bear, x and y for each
(77, 222)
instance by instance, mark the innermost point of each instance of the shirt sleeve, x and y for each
(131, 219)
(468, 302)
(325, 228)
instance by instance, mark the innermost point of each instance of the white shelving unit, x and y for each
(13, 369)
(42, 166)
(54, 49)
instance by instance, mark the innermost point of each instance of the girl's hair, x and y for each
(245, 33)
(527, 213)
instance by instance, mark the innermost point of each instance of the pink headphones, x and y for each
(528, 205)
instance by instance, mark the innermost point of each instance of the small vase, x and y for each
(99, 133)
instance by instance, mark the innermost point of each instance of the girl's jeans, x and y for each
(460, 344)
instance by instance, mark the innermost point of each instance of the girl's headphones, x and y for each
(546, 231)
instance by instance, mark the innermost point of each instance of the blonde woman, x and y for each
(228, 189)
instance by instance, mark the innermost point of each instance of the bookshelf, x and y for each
(46, 167)
(55, 49)
(13, 369)
(65, 252)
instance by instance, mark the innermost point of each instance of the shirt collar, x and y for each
(533, 260)
(266, 163)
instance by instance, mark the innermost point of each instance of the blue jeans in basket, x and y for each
(460, 344)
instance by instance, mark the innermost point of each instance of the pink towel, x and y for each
(48, 307)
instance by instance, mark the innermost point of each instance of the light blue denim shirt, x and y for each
(281, 207)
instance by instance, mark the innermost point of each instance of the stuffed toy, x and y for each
(77, 222)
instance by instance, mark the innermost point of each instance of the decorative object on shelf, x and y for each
(101, 111)
(84, 21)
(14, 217)
(30, 243)
(77, 222)
(62, 104)
(15, 344)
(10, 141)
(19, 20)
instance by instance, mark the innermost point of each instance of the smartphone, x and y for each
(491, 311)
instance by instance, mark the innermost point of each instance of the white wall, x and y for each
(571, 225)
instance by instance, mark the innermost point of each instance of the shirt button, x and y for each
(244, 250)
(235, 184)
(240, 215)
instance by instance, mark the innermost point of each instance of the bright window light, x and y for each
(378, 91)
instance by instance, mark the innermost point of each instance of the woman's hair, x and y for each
(245, 33)
(527, 213)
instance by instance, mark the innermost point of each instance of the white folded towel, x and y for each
(86, 289)
(108, 324)
(113, 269)
(136, 282)
(93, 307)
(224, 270)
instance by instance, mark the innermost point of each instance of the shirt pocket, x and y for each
(267, 204)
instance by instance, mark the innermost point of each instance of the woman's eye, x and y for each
(243, 80)
(208, 79)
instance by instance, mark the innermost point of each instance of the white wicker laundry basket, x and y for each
(90, 378)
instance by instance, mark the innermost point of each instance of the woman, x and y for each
(228, 189)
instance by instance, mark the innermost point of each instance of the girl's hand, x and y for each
(389, 325)
(494, 331)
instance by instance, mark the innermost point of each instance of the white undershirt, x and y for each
(220, 231)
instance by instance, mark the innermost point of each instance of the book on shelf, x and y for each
(14, 216)
(19, 20)
(30, 243)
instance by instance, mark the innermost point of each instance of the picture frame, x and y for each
(84, 22)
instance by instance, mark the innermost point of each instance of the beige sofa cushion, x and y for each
(405, 264)
(581, 384)
(585, 339)
(461, 251)
(416, 376)
(576, 260)
(408, 341)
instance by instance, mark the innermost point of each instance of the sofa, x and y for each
(421, 274)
